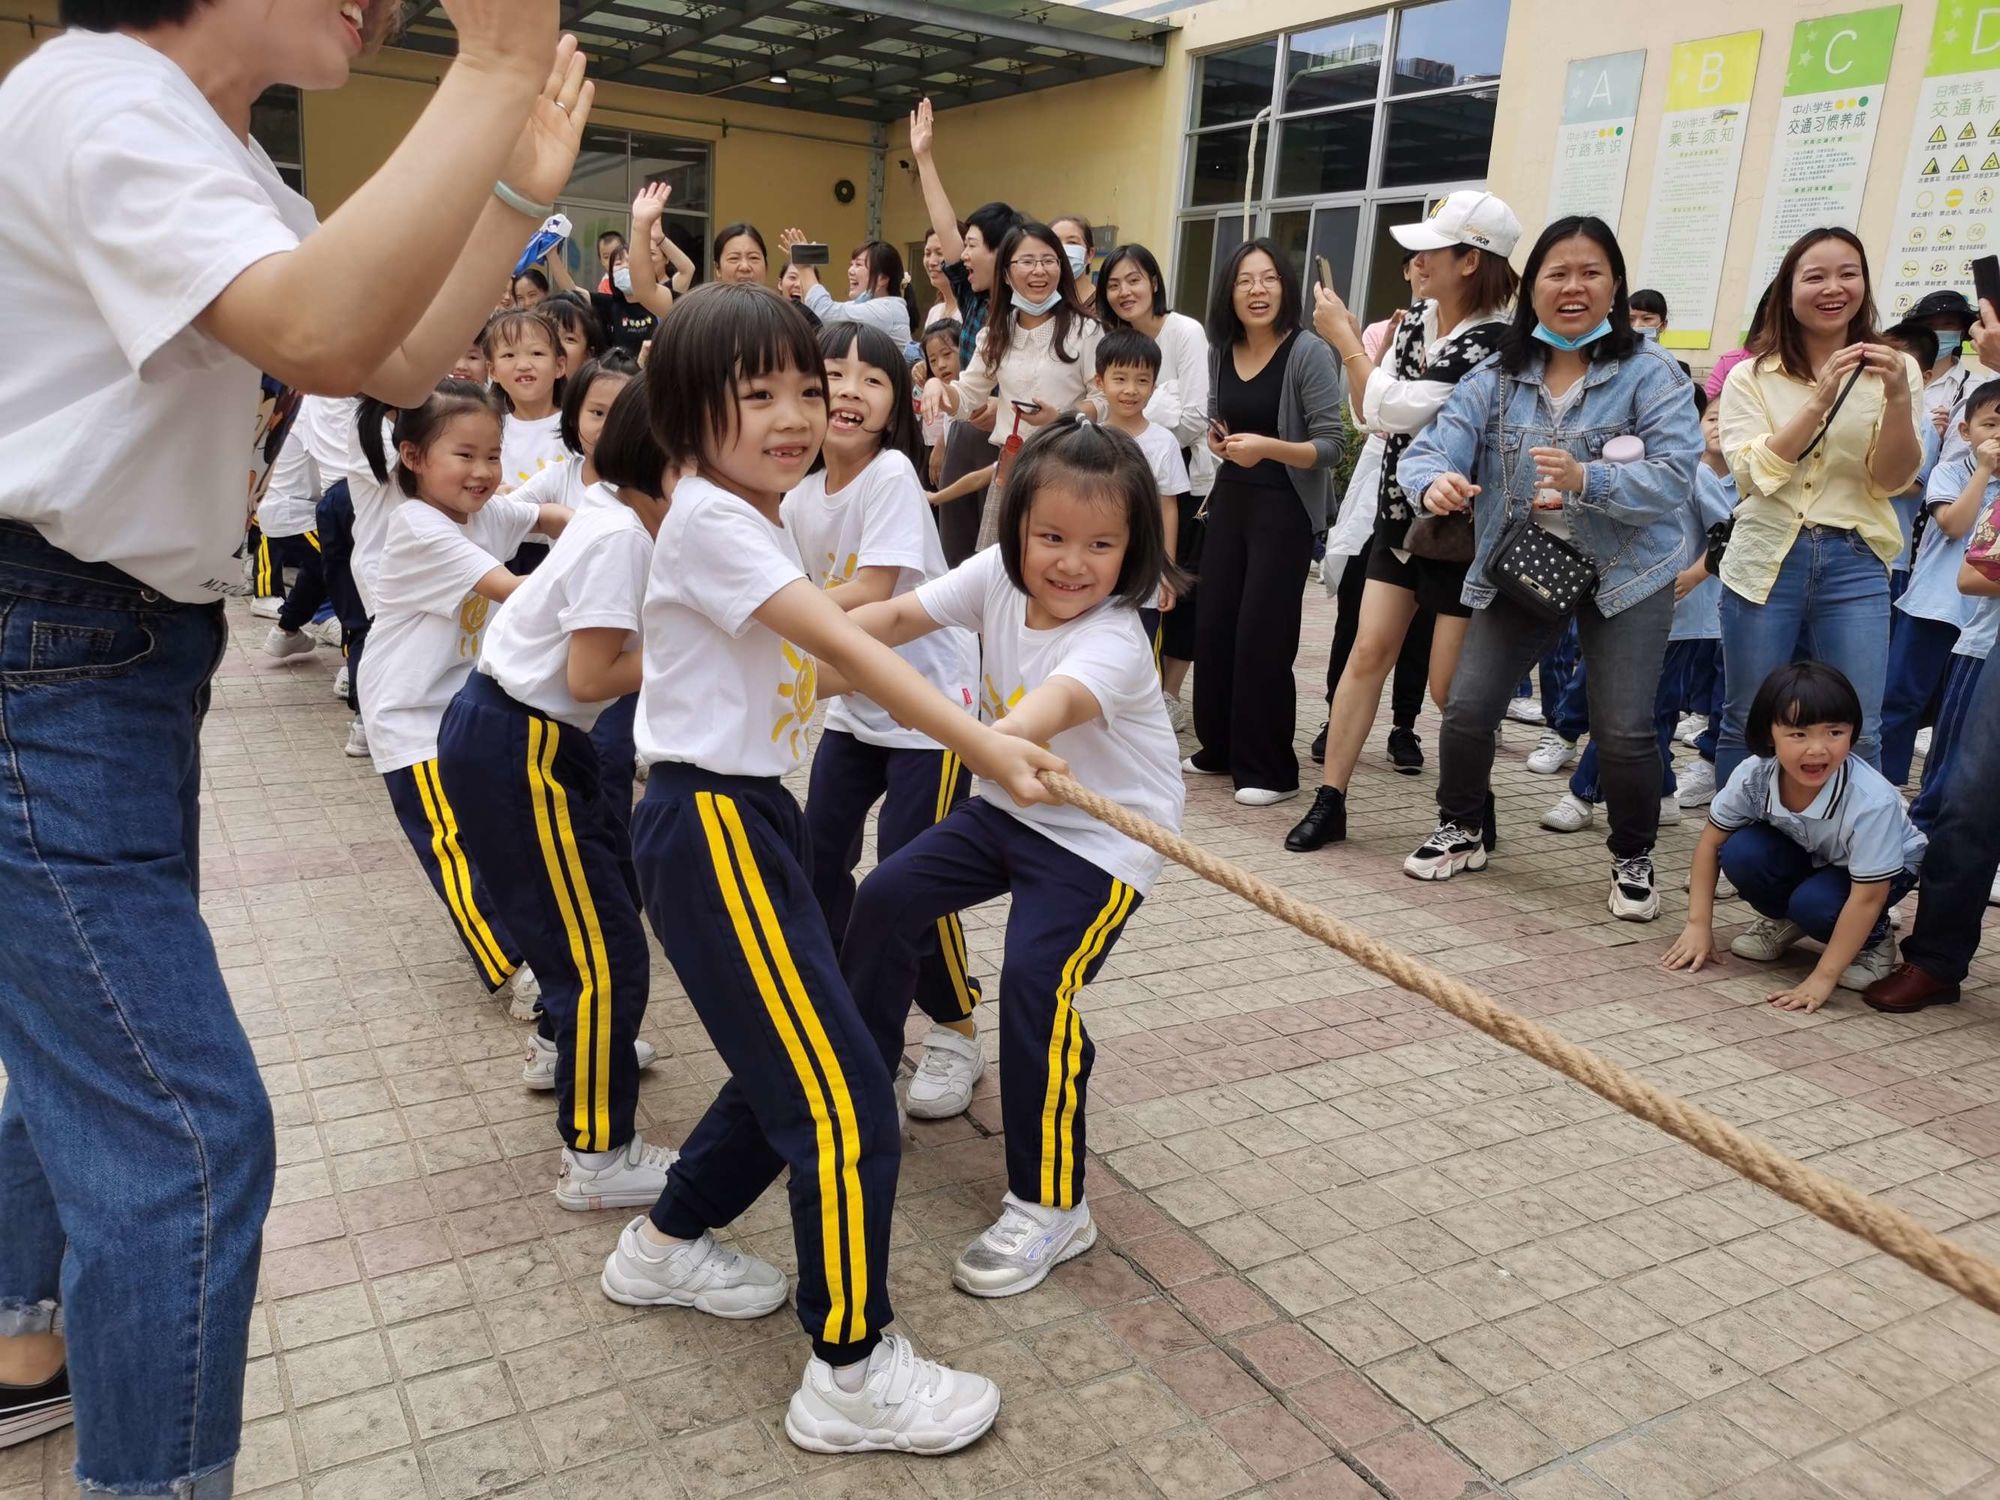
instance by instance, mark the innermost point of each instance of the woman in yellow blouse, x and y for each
(1817, 454)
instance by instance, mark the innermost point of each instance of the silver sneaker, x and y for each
(1766, 940)
(701, 1274)
(634, 1178)
(1018, 1252)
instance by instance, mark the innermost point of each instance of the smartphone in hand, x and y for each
(1986, 280)
(807, 253)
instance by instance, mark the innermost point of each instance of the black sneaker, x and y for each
(28, 1411)
(1319, 744)
(1406, 751)
(1325, 823)
(1451, 849)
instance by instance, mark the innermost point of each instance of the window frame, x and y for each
(285, 164)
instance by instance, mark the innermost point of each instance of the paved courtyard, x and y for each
(1351, 1247)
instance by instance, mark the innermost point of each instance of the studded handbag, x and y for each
(1543, 573)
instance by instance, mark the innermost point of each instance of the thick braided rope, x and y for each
(1888, 1229)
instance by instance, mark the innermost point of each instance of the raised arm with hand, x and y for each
(937, 203)
(647, 210)
(322, 317)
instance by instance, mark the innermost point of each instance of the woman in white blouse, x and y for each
(1036, 354)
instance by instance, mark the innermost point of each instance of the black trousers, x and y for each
(336, 555)
(308, 590)
(1254, 559)
(1180, 627)
(1413, 662)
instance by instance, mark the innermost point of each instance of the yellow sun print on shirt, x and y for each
(993, 707)
(803, 693)
(836, 575)
(472, 612)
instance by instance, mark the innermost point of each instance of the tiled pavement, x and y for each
(1352, 1248)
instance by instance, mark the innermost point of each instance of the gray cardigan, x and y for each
(1308, 412)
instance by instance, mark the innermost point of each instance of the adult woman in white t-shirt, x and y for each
(137, 1137)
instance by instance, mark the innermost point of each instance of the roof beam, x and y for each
(849, 42)
(1144, 54)
(725, 18)
(909, 72)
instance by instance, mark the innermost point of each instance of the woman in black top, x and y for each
(1274, 400)
(627, 323)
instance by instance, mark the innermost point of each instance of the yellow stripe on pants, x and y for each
(951, 936)
(1066, 1049)
(591, 1118)
(458, 875)
(832, 1127)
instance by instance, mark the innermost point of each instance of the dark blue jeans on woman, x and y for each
(136, 1150)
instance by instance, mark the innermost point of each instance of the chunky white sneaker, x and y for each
(1697, 783)
(1445, 853)
(1670, 811)
(701, 1274)
(634, 1178)
(1633, 897)
(1570, 814)
(340, 681)
(1874, 962)
(1263, 796)
(941, 1086)
(282, 643)
(1766, 940)
(523, 994)
(1023, 1246)
(262, 608)
(905, 1405)
(1553, 754)
(540, 1070)
(1177, 714)
(356, 747)
(1689, 729)
(1525, 711)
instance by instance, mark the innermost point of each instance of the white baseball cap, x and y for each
(1467, 217)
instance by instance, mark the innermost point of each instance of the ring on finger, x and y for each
(562, 106)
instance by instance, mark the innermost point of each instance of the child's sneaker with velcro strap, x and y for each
(701, 1274)
(904, 1405)
(628, 1176)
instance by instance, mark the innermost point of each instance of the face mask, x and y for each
(622, 279)
(1949, 344)
(860, 297)
(1548, 336)
(1650, 333)
(1079, 258)
(1036, 309)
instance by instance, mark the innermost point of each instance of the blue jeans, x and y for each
(1778, 879)
(136, 1149)
(1919, 660)
(1683, 660)
(1829, 603)
(1946, 738)
(1965, 840)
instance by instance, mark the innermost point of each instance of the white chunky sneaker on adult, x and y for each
(1023, 1246)
(1874, 962)
(282, 643)
(356, 747)
(1525, 711)
(340, 682)
(905, 1405)
(1689, 729)
(1569, 814)
(700, 1274)
(1263, 796)
(1633, 896)
(1445, 853)
(1697, 783)
(633, 1178)
(1553, 754)
(1766, 940)
(1670, 811)
(941, 1084)
(523, 994)
(540, 1069)
(263, 608)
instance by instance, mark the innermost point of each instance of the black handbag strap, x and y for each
(1838, 401)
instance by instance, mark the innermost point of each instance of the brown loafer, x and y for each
(1908, 988)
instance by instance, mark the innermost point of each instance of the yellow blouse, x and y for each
(1833, 486)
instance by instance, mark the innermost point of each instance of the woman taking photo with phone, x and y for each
(875, 280)
(1821, 427)
(1274, 424)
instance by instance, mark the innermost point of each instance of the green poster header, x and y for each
(1966, 38)
(1842, 52)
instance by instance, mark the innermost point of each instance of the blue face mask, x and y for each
(1079, 259)
(1036, 309)
(1556, 340)
(1949, 344)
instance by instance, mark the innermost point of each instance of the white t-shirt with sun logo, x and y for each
(881, 520)
(428, 622)
(1128, 752)
(721, 691)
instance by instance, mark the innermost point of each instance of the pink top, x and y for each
(1728, 362)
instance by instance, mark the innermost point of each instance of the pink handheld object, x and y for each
(1624, 449)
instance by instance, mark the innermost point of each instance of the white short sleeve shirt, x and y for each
(1163, 456)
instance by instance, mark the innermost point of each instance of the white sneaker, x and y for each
(340, 682)
(701, 1274)
(523, 994)
(1689, 729)
(282, 643)
(357, 740)
(1177, 714)
(540, 1071)
(1263, 796)
(1446, 852)
(1923, 741)
(262, 608)
(1525, 711)
(1697, 783)
(326, 632)
(1670, 811)
(635, 1178)
(1766, 940)
(905, 1405)
(1633, 896)
(1570, 814)
(1870, 964)
(1192, 769)
(1023, 1246)
(941, 1086)
(1553, 754)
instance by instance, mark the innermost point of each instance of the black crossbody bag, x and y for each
(1544, 574)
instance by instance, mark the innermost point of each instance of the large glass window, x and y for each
(1370, 119)
(610, 169)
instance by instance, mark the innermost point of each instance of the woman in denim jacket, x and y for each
(1524, 435)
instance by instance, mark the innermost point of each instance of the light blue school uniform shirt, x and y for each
(1698, 617)
(1933, 592)
(1857, 822)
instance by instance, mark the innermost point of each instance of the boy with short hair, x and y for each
(1128, 368)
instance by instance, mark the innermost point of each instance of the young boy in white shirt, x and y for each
(1128, 370)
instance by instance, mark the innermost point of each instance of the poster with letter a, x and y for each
(1709, 84)
(1948, 208)
(1594, 141)
(1834, 76)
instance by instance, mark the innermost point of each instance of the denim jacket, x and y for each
(1627, 519)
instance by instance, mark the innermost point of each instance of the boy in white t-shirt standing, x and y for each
(1128, 371)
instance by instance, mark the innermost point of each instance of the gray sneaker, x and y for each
(1766, 940)
(1017, 1253)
